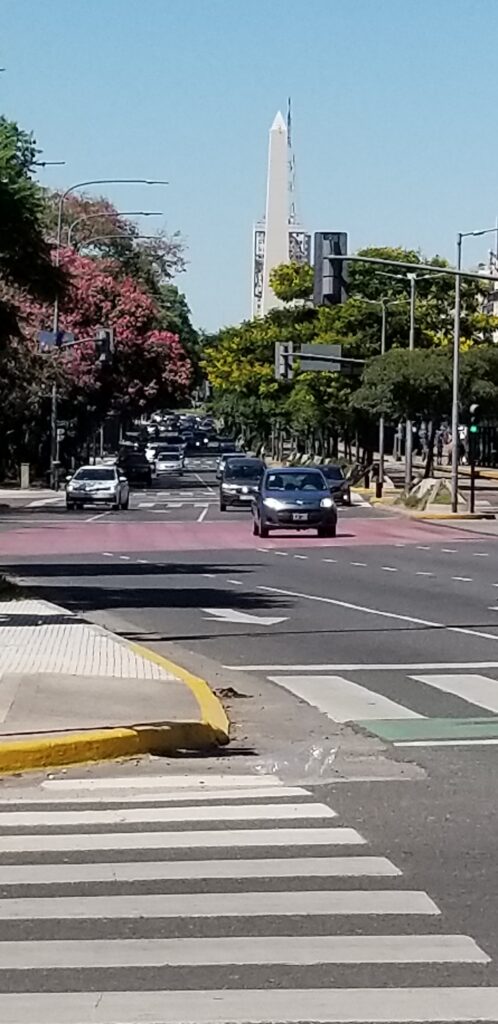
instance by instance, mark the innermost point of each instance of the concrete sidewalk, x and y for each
(71, 691)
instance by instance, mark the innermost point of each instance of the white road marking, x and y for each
(299, 902)
(283, 554)
(209, 575)
(37, 798)
(448, 743)
(341, 700)
(135, 815)
(146, 504)
(203, 514)
(236, 583)
(476, 689)
(378, 611)
(125, 558)
(231, 615)
(449, 551)
(398, 545)
(424, 574)
(388, 568)
(462, 579)
(221, 839)
(300, 556)
(450, 1005)
(335, 560)
(142, 561)
(423, 547)
(108, 554)
(481, 554)
(100, 515)
(203, 783)
(359, 667)
(178, 952)
(286, 867)
(363, 565)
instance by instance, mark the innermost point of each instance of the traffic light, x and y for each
(331, 282)
(283, 360)
(104, 344)
(474, 419)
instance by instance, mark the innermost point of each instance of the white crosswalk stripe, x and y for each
(141, 919)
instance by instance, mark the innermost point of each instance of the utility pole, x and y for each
(455, 439)
(409, 426)
(380, 477)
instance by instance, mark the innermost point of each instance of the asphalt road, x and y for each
(367, 669)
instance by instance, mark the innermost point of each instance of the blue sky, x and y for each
(394, 117)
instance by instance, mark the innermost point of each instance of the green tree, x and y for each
(25, 255)
(292, 281)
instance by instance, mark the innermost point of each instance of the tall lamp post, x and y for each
(54, 474)
(384, 302)
(455, 419)
(101, 216)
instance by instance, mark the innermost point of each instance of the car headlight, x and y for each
(273, 503)
(326, 503)
(229, 487)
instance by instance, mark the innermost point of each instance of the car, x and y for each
(240, 481)
(339, 486)
(97, 485)
(222, 462)
(136, 468)
(294, 499)
(169, 459)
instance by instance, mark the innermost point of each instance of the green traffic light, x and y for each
(474, 429)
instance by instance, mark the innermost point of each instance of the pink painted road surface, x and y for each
(137, 537)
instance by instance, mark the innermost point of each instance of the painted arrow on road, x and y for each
(230, 615)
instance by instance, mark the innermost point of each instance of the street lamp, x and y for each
(123, 234)
(384, 302)
(62, 197)
(456, 361)
(120, 213)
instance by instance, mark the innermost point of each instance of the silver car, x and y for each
(97, 485)
(170, 460)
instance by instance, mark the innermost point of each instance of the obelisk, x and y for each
(277, 210)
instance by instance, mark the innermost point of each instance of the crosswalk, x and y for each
(215, 899)
(400, 703)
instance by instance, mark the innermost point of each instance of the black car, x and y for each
(239, 482)
(339, 486)
(136, 468)
(294, 499)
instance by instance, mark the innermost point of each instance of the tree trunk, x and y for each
(430, 450)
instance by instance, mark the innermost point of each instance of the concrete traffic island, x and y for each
(72, 692)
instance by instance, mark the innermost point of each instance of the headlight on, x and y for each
(326, 503)
(273, 503)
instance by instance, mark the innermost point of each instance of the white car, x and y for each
(170, 460)
(97, 485)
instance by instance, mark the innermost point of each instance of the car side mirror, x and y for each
(68, 478)
(123, 479)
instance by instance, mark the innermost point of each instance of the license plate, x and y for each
(300, 516)
(245, 497)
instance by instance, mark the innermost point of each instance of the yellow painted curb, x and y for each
(451, 515)
(53, 751)
(212, 711)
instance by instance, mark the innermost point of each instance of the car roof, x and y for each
(100, 465)
(293, 469)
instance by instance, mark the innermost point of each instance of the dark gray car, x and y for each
(239, 482)
(294, 499)
(339, 485)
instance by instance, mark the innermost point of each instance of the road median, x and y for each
(73, 692)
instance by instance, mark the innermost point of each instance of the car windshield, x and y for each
(134, 459)
(95, 474)
(168, 453)
(295, 482)
(332, 472)
(243, 470)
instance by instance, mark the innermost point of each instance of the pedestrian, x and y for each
(439, 447)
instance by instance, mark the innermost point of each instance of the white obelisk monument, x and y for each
(279, 238)
(277, 209)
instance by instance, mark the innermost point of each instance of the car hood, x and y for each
(243, 482)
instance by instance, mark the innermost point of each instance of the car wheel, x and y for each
(223, 506)
(70, 506)
(264, 531)
(255, 528)
(347, 500)
(125, 504)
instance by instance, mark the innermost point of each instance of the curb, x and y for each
(53, 751)
(451, 515)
